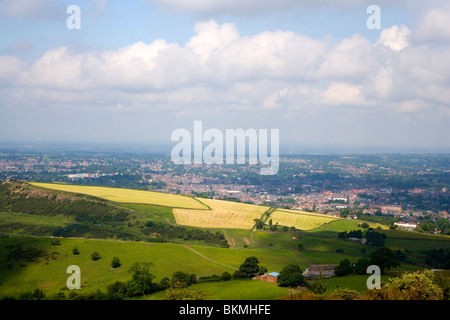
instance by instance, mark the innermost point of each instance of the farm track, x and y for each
(303, 257)
(209, 259)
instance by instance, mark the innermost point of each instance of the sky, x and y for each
(137, 70)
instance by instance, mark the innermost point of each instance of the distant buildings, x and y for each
(406, 226)
(314, 271)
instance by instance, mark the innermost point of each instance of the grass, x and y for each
(311, 242)
(128, 195)
(234, 290)
(353, 282)
(51, 275)
(299, 220)
(318, 257)
(50, 221)
(273, 259)
(238, 238)
(416, 245)
(332, 228)
(223, 214)
(412, 235)
(147, 212)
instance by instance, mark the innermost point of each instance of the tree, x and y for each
(258, 223)
(38, 294)
(238, 275)
(291, 276)
(115, 263)
(250, 267)
(262, 270)
(361, 266)
(319, 287)
(375, 239)
(75, 251)
(116, 291)
(384, 258)
(184, 278)
(418, 285)
(344, 268)
(164, 283)
(226, 276)
(95, 256)
(141, 282)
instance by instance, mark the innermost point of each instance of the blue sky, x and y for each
(139, 69)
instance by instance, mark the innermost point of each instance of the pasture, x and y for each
(50, 275)
(234, 290)
(128, 195)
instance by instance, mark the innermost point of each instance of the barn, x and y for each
(268, 277)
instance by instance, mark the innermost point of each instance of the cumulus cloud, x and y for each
(434, 25)
(218, 70)
(395, 37)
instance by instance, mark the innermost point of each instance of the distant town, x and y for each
(405, 191)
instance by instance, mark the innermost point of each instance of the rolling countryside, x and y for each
(200, 236)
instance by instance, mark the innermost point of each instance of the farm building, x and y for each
(268, 277)
(314, 271)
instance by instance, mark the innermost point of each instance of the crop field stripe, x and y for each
(299, 220)
(128, 195)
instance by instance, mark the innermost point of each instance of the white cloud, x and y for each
(434, 25)
(395, 37)
(218, 71)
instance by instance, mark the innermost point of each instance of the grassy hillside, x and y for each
(48, 272)
(234, 290)
(128, 195)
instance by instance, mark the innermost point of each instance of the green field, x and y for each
(234, 290)
(167, 258)
(54, 221)
(128, 195)
(50, 275)
(355, 282)
(273, 259)
(298, 219)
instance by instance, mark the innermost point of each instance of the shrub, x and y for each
(226, 276)
(95, 256)
(115, 263)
